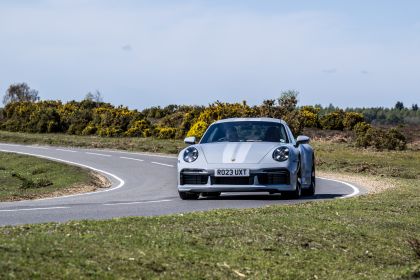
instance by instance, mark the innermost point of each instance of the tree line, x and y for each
(24, 112)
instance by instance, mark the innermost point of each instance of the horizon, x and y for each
(406, 106)
(141, 54)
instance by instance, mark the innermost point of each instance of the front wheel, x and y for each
(188, 195)
(296, 194)
(311, 190)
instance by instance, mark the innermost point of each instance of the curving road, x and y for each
(142, 185)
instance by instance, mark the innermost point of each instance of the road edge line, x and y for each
(355, 189)
(120, 185)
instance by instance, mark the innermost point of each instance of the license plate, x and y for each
(232, 172)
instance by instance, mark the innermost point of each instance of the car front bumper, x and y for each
(270, 179)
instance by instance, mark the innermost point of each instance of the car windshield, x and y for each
(245, 131)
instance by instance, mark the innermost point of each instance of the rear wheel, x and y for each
(211, 194)
(188, 195)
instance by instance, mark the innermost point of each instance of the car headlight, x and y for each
(190, 154)
(281, 154)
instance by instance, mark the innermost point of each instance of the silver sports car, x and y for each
(246, 155)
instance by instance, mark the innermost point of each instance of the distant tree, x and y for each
(331, 107)
(97, 96)
(415, 107)
(288, 100)
(399, 105)
(20, 92)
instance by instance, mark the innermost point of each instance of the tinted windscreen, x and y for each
(245, 131)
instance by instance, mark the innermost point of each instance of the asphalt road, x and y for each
(142, 185)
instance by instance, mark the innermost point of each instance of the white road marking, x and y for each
(355, 189)
(140, 154)
(132, 158)
(96, 154)
(39, 147)
(65, 150)
(121, 181)
(14, 145)
(34, 209)
(137, 202)
(164, 164)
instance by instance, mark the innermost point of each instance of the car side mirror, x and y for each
(189, 140)
(302, 139)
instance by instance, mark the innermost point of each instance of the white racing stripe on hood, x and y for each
(242, 152)
(236, 152)
(228, 152)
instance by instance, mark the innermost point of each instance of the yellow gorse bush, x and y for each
(88, 117)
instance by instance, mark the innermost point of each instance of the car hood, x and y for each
(234, 152)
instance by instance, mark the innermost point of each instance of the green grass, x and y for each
(345, 158)
(123, 143)
(26, 177)
(367, 237)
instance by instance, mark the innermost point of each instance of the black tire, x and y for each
(211, 194)
(297, 193)
(311, 190)
(188, 195)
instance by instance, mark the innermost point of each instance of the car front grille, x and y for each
(189, 177)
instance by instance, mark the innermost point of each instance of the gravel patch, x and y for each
(373, 184)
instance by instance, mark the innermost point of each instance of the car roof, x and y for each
(250, 119)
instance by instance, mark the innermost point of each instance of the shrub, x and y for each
(361, 128)
(90, 129)
(293, 120)
(90, 117)
(288, 100)
(53, 126)
(187, 122)
(138, 128)
(198, 129)
(166, 133)
(147, 132)
(333, 120)
(351, 119)
(395, 140)
(392, 139)
(365, 137)
(308, 118)
(110, 131)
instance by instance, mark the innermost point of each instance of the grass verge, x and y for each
(343, 158)
(26, 177)
(368, 237)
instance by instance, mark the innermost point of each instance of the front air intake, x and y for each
(274, 177)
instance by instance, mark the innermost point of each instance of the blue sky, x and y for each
(148, 53)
